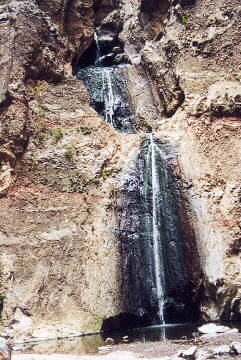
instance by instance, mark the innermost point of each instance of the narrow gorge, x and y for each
(120, 164)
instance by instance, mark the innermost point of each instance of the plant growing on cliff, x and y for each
(106, 172)
(57, 134)
(70, 151)
(39, 134)
(184, 19)
(77, 183)
(39, 89)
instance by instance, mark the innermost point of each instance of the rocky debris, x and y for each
(236, 347)
(5, 349)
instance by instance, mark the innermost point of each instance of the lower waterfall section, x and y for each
(158, 279)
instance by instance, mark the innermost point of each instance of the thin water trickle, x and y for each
(109, 98)
(159, 280)
(98, 52)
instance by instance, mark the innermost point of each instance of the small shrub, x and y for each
(184, 19)
(70, 151)
(39, 89)
(106, 172)
(39, 134)
(77, 183)
(57, 134)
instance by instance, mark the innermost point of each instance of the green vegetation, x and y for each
(85, 130)
(39, 111)
(184, 19)
(70, 151)
(57, 134)
(39, 89)
(237, 76)
(39, 134)
(106, 172)
(77, 183)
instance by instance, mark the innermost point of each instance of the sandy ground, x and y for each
(144, 351)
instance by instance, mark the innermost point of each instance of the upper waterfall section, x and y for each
(102, 72)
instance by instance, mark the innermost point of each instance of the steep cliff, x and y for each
(62, 165)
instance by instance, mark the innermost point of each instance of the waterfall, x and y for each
(152, 235)
(107, 89)
(158, 261)
(151, 229)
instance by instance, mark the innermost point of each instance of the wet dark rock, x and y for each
(108, 95)
(136, 241)
(117, 50)
(121, 58)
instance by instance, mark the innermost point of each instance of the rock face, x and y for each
(62, 166)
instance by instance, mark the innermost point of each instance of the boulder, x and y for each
(5, 349)
(236, 347)
(221, 350)
(212, 329)
(203, 354)
(189, 353)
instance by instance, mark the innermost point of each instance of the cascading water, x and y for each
(152, 231)
(153, 236)
(106, 85)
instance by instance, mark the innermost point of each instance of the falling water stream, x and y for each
(158, 264)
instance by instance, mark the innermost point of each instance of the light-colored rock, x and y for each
(222, 350)
(203, 354)
(109, 341)
(212, 329)
(189, 353)
(5, 349)
(236, 347)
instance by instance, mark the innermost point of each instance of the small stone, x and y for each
(125, 338)
(221, 350)
(189, 354)
(109, 341)
(116, 50)
(121, 58)
(236, 347)
(104, 348)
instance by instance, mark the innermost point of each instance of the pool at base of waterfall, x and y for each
(90, 344)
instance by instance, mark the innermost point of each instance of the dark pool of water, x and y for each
(89, 344)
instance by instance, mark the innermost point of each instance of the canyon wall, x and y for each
(62, 165)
